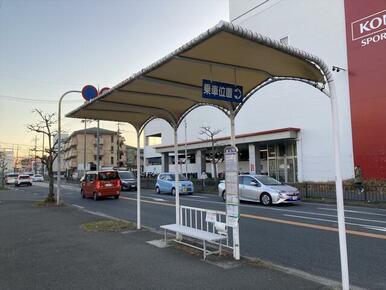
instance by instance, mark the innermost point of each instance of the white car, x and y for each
(23, 179)
(37, 178)
(263, 189)
(10, 178)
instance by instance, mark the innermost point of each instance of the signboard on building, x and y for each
(222, 91)
(366, 42)
(232, 195)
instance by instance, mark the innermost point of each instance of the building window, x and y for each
(153, 161)
(154, 139)
(112, 138)
(112, 149)
(112, 160)
(95, 158)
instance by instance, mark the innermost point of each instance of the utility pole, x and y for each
(118, 151)
(186, 150)
(98, 145)
(17, 157)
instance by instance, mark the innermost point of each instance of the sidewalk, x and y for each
(45, 248)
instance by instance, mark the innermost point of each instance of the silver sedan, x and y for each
(263, 189)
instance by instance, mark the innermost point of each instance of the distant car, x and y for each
(166, 183)
(10, 178)
(128, 180)
(263, 189)
(103, 183)
(37, 178)
(23, 179)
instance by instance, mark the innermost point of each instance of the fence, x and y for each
(372, 193)
(194, 217)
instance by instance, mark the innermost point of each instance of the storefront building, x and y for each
(350, 36)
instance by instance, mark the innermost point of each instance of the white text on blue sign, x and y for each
(222, 91)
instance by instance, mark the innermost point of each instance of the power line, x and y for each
(19, 99)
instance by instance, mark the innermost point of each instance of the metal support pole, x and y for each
(138, 181)
(177, 183)
(236, 234)
(84, 148)
(60, 143)
(339, 187)
(98, 152)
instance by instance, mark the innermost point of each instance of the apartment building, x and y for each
(80, 151)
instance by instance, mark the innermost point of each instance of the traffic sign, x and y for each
(89, 92)
(222, 91)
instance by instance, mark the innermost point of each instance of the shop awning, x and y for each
(171, 87)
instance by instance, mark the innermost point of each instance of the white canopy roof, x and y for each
(171, 88)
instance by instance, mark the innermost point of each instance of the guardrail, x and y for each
(196, 218)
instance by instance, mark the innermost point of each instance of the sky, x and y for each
(48, 47)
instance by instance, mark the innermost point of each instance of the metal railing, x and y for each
(371, 193)
(195, 218)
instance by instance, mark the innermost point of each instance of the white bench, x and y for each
(202, 235)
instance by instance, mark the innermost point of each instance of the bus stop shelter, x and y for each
(173, 86)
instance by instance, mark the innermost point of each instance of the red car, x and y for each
(97, 184)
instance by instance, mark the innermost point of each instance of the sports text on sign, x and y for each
(222, 91)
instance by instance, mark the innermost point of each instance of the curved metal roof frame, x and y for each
(158, 92)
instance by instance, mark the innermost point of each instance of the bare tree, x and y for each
(216, 153)
(45, 126)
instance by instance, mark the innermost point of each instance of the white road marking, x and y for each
(354, 211)
(78, 206)
(158, 199)
(335, 222)
(198, 196)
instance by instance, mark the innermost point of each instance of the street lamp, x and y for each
(60, 141)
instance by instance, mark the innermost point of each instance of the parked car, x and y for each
(37, 178)
(166, 183)
(103, 183)
(263, 189)
(23, 179)
(10, 178)
(128, 180)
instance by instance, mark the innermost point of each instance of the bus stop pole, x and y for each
(339, 187)
(138, 181)
(177, 183)
(236, 233)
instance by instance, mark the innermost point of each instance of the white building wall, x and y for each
(318, 28)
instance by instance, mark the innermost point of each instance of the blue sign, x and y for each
(89, 92)
(222, 91)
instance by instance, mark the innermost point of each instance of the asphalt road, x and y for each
(302, 236)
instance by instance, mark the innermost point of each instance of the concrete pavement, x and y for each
(45, 248)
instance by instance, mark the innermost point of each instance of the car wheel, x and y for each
(158, 190)
(265, 199)
(224, 196)
(82, 194)
(173, 191)
(116, 196)
(95, 196)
